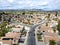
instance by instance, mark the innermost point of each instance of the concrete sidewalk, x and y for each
(38, 43)
(25, 40)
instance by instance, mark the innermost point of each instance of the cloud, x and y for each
(29, 4)
(10, 1)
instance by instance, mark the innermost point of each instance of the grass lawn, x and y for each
(39, 37)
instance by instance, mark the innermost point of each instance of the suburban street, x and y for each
(31, 34)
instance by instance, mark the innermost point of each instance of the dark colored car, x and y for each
(21, 40)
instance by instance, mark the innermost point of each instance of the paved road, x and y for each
(31, 34)
(31, 38)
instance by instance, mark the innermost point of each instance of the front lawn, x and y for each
(39, 37)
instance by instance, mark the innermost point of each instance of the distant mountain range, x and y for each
(26, 10)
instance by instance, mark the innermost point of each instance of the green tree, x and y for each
(58, 26)
(3, 29)
(48, 15)
(23, 13)
(52, 42)
(56, 14)
(46, 24)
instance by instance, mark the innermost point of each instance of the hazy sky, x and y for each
(30, 4)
